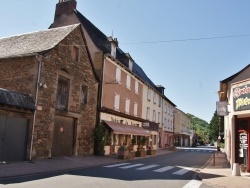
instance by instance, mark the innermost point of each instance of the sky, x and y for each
(187, 46)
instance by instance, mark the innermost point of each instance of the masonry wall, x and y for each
(20, 74)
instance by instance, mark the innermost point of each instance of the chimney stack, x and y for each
(65, 7)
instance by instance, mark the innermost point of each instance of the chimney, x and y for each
(65, 7)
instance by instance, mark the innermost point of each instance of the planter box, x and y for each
(151, 152)
(123, 154)
(141, 153)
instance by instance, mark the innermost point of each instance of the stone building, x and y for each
(49, 85)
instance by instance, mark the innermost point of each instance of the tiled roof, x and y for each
(31, 43)
(15, 99)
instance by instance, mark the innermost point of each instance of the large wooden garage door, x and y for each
(13, 138)
(63, 136)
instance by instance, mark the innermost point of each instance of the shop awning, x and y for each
(119, 128)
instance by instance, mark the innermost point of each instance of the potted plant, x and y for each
(100, 139)
(123, 152)
(141, 152)
(150, 150)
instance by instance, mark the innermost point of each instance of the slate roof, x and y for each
(234, 75)
(15, 99)
(31, 43)
(101, 40)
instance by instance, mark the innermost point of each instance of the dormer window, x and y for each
(113, 50)
(130, 64)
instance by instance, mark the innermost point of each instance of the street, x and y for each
(176, 169)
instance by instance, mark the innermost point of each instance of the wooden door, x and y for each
(63, 140)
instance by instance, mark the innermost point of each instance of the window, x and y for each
(135, 109)
(160, 101)
(149, 94)
(165, 121)
(155, 98)
(118, 75)
(154, 116)
(75, 53)
(159, 117)
(84, 94)
(130, 64)
(148, 113)
(165, 108)
(62, 93)
(113, 50)
(128, 82)
(127, 106)
(136, 86)
(117, 102)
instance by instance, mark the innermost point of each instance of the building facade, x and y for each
(182, 132)
(52, 67)
(234, 93)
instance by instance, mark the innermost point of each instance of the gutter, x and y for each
(39, 58)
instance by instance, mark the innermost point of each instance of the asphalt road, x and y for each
(177, 169)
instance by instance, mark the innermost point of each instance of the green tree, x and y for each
(216, 126)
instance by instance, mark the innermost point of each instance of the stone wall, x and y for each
(20, 74)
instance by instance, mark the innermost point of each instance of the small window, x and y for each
(148, 113)
(155, 98)
(136, 86)
(84, 94)
(160, 101)
(149, 94)
(75, 53)
(130, 64)
(127, 106)
(159, 117)
(135, 108)
(117, 102)
(62, 93)
(118, 75)
(154, 116)
(128, 82)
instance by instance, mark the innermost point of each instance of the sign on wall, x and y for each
(221, 108)
(241, 98)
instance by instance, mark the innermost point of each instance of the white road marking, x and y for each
(131, 166)
(164, 169)
(193, 184)
(183, 170)
(147, 167)
(115, 165)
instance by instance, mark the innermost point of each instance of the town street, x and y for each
(177, 169)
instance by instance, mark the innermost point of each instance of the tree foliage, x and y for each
(216, 126)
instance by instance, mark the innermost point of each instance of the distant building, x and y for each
(182, 131)
(48, 95)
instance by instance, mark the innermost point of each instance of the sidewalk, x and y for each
(24, 168)
(220, 174)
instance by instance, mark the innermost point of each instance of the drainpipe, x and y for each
(39, 58)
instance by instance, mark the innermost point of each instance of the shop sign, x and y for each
(221, 108)
(241, 98)
(243, 140)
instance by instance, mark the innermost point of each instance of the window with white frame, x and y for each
(165, 108)
(154, 116)
(130, 64)
(135, 108)
(136, 86)
(149, 94)
(117, 102)
(127, 106)
(148, 113)
(159, 117)
(160, 99)
(118, 75)
(155, 98)
(113, 50)
(128, 81)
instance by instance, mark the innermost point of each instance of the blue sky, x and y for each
(190, 70)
